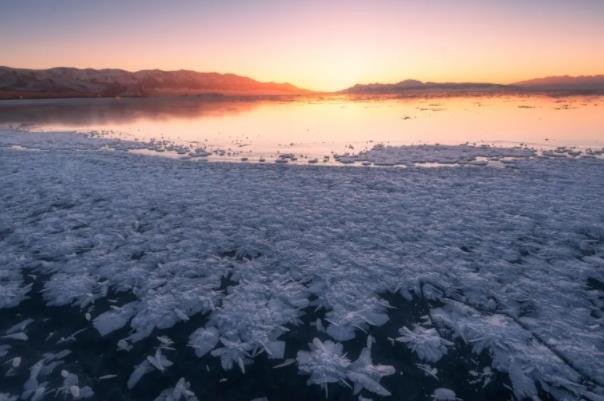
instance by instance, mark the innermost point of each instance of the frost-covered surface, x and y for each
(381, 155)
(445, 154)
(509, 261)
(94, 141)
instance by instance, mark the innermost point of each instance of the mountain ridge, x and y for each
(112, 82)
(70, 82)
(562, 84)
(565, 82)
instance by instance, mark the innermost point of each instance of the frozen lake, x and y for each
(313, 128)
(126, 277)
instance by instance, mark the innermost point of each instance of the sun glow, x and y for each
(318, 45)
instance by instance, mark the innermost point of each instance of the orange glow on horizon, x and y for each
(318, 45)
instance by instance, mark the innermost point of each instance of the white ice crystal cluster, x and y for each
(179, 392)
(326, 363)
(137, 245)
(425, 342)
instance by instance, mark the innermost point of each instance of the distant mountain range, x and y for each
(562, 84)
(565, 83)
(65, 82)
(73, 82)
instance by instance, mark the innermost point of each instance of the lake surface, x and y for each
(310, 128)
(124, 278)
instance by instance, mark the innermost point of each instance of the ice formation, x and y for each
(71, 387)
(179, 392)
(444, 394)
(326, 363)
(237, 256)
(443, 154)
(426, 343)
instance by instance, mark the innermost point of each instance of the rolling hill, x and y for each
(74, 82)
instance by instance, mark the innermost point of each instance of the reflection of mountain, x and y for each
(73, 82)
(76, 112)
(566, 84)
(411, 86)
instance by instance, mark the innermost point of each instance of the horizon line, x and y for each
(303, 88)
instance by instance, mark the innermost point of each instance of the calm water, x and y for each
(318, 127)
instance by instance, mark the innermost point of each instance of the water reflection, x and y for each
(109, 111)
(318, 126)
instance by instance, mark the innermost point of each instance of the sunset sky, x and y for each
(324, 45)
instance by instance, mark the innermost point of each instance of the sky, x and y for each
(321, 45)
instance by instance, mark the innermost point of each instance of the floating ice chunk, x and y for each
(107, 377)
(123, 345)
(287, 362)
(365, 375)
(57, 356)
(8, 397)
(71, 337)
(165, 340)
(21, 336)
(16, 362)
(444, 394)
(203, 340)
(159, 361)
(428, 370)
(71, 386)
(426, 343)
(483, 378)
(75, 391)
(139, 371)
(179, 392)
(319, 325)
(114, 319)
(21, 326)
